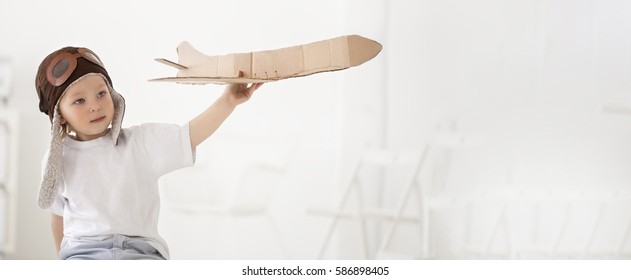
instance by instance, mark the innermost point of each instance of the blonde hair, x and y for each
(66, 130)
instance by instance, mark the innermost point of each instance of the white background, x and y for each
(530, 80)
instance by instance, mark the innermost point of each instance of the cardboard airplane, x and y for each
(333, 54)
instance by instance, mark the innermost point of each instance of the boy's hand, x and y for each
(206, 123)
(239, 93)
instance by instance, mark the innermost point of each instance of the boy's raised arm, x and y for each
(206, 123)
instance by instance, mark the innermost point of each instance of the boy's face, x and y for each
(87, 107)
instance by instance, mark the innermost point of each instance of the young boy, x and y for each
(100, 181)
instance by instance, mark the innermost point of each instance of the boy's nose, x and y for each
(95, 106)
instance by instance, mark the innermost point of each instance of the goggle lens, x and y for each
(62, 66)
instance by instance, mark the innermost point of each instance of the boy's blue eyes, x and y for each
(81, 100)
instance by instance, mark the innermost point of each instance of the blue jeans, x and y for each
(117, 247)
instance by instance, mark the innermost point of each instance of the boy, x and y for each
(100, 180)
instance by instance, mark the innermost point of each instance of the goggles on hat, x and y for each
(62, 66)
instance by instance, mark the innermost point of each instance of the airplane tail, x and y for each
(189, 56)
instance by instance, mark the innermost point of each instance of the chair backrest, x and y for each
(4, 152)
(257, 186)
(383, 157)
(8, 178)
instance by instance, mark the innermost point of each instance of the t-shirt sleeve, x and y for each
(168, 147)
(58, 204)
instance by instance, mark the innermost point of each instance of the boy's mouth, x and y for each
(97, 119)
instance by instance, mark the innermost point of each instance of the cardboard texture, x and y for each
(333, 54)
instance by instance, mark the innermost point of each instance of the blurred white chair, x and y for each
(617, 109)
(8, 179)
(596, 210)
(396, 216)
(251, 199)
(412, 193)
(383, 159)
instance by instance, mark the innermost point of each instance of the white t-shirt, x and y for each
(107, 189)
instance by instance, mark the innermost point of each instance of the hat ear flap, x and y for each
(52, 172)
(119, 113)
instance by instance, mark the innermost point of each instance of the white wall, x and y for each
(531, 77)
(127, 36)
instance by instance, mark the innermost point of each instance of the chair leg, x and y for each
(327, 237)
(590, 240)
(564, 227)
(410, 187)
(278, 236)
(501, 223)
(362, 224)
(336, 218)
(625, 237)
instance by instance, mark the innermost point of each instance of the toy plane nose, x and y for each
(362, 49)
